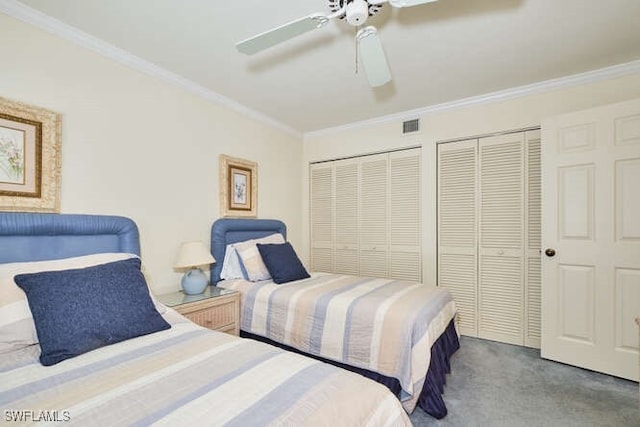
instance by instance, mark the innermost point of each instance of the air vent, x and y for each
(410, 126)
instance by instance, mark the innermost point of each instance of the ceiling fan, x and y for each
(356, 13)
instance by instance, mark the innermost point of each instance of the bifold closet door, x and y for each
(334, 191)
(501, 238)
(489, 234)
(457, 229)
(365, 215)
(321, 190)
(533, 241)
(374, 200)
(405, 216)
(346, 259)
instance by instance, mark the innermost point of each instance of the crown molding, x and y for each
(51, 25)
(503, 95)
(58, 28)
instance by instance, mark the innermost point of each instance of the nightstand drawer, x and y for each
(216, 308)
(223, 315)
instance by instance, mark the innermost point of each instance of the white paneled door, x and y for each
(591, 238)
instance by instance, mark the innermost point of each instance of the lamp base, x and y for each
(194, 282)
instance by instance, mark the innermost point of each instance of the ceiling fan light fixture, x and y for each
(357, 12)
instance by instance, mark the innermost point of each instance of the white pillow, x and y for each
(231, 266)
(17, 328)
(251, 259)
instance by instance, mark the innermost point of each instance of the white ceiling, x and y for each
(438, 52)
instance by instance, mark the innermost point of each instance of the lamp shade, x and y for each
(193, 254)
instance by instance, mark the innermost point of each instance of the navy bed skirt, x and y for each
(430, 399)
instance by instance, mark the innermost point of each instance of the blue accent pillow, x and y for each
(282, 262)
(79, 310)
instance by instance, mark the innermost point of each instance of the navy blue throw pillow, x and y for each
(79, 310)
(282, 262)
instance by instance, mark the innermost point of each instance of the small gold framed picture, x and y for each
(29, 158)
(238, 187)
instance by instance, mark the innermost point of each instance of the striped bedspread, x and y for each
(382, 325)
(189, 376)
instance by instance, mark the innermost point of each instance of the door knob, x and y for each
(550, 252)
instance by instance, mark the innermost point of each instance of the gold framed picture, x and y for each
(238, 187)
(29, 158)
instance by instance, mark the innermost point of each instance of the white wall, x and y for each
(514, 114)
(136, 146)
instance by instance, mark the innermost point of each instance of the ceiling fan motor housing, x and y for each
(357, 12)
(336, 5)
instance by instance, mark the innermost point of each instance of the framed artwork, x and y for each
(238, 187)
(29, 158)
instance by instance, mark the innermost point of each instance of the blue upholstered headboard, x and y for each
(225, 231)
(37, 236)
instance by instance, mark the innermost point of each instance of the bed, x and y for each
(180, 374)
(398, 333)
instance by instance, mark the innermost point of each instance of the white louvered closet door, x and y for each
(374, 195)
(346, 259)
(405, 215)
(322, 221)
(457, 229)
(489, 234)
(366, 215)
(501, 238)
(533, 240)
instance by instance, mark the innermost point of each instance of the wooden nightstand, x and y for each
(215, 308)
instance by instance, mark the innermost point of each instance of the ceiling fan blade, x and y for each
(373, 57)
(408, 3)
(282, 33)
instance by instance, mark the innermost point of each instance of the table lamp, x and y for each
(191, 256)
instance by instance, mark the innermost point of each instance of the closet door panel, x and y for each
(346, 217)
(501, 238)
(457, 229)
(405, 215)
(322, 219)
(373, 215)
(501, 304)
(457, 226)
(501, 192)
(533, 266)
